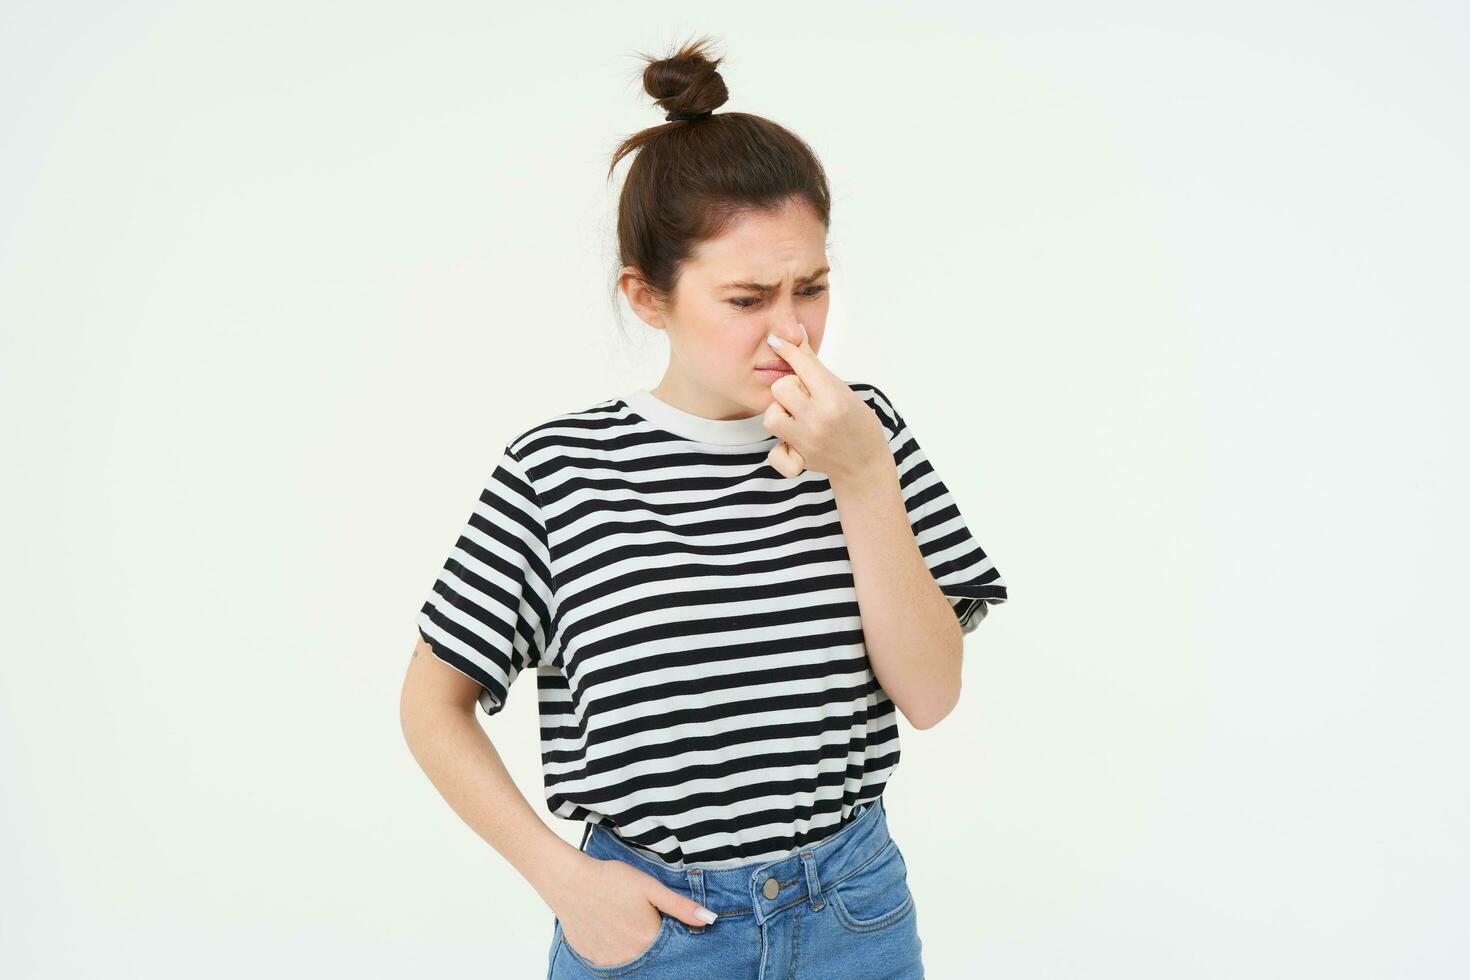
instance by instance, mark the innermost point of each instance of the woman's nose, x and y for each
(789, 331)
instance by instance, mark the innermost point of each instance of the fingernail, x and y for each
(803, 330)
(773, 340)
(705, 914)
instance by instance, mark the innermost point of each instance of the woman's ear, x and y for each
(640, 296)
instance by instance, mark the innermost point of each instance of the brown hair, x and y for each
(691, 177)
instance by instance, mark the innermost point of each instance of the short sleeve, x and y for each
(487, 613)
(965, 573)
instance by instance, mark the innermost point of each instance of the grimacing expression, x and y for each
(764, 275)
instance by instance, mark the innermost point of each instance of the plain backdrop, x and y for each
(1173, 294)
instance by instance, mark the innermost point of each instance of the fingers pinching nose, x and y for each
(775, 341)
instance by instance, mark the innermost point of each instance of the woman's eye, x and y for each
(746, 302)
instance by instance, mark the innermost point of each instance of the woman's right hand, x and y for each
(613, 913)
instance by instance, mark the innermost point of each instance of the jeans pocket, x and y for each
(876, 895)
(655, 945)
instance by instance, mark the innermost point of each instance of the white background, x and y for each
(1173, 294)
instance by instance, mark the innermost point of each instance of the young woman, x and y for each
(728, 586)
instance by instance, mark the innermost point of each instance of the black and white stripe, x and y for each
(691, 619)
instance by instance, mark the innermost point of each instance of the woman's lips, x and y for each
(773, 369)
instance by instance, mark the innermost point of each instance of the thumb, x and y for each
(684, 908)
(784, 459)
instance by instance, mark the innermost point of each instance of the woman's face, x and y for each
(764, 275)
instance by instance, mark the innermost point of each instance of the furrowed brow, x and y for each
(760, 287)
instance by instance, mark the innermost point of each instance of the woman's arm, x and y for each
(608, 910)
(436, 710)
(913, 638)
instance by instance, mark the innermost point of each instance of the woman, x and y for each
(684, 567)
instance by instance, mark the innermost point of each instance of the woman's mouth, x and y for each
(772, 369)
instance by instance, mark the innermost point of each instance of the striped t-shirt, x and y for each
(690, 616)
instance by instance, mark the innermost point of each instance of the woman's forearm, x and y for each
(462, 763)
(914, 642)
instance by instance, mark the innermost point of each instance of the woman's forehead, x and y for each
(762, 252)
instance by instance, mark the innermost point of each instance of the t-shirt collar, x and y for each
(725, 432)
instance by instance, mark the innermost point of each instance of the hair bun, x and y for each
(687, 83)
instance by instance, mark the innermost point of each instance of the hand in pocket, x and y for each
(615, 912)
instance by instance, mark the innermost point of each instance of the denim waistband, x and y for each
(800, 876)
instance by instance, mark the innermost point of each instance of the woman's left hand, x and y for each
(824, 425)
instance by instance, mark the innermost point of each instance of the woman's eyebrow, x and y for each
(760, 287)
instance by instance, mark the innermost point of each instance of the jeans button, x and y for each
(771, 888)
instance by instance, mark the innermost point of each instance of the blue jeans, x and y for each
(842, 909)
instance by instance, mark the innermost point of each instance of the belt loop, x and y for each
(813, 883)
(696, 890)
